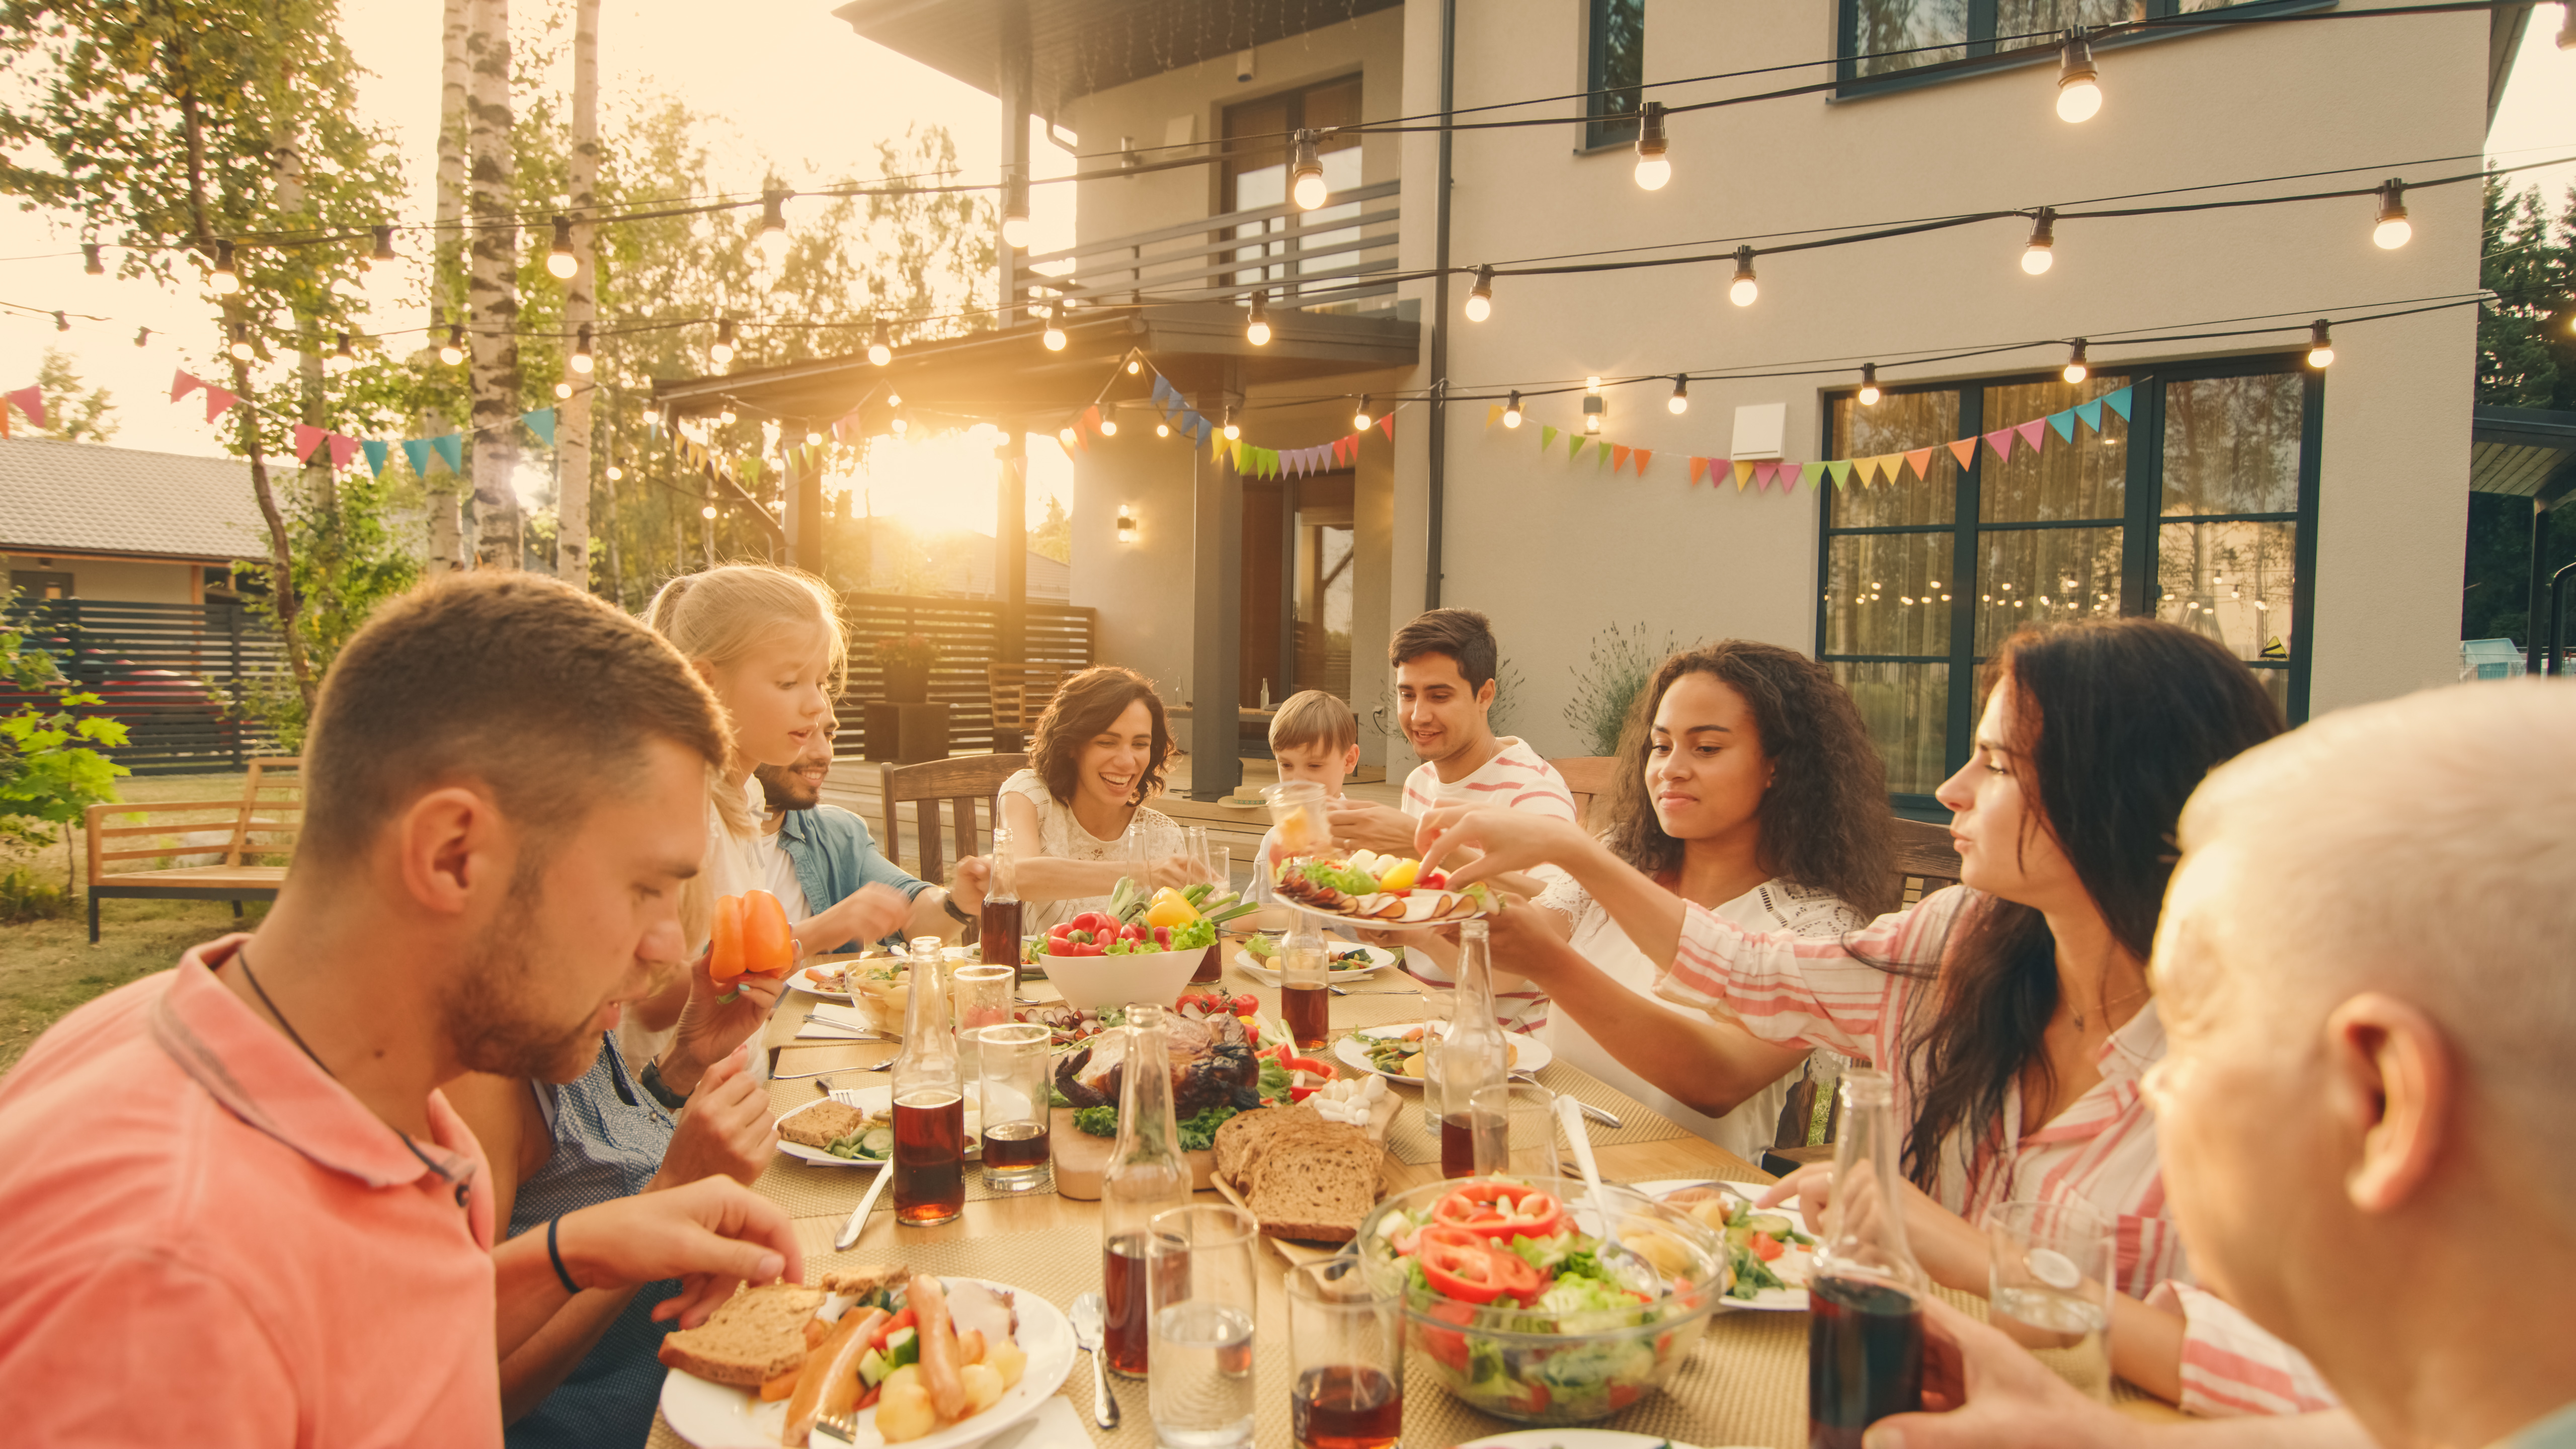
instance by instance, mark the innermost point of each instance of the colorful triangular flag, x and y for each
(307, 438)
(2090, 414)
(452, 448)
(416, 452)
(2117, 402)
(1546, 437)
(1618, 456)
(1493, 414)
(1698, 470)
(1743, 473)
(1813, 475)
(2030, 432)
(30, 401)
(1965, 450)
(1641, 457)
(2001, 441)
(542, 423)
(183, 383)
(218, 402)
(1920, 460)
(343, 448)
(377, 452)
(1841, 470)
(1574, 446)
(2062, 422)
(1386, 424)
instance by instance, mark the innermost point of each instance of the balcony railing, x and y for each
(1302, 258)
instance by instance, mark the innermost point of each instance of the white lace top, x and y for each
(1062, 837)
(1775, 905)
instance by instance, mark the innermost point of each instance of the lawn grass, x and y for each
(47, 967)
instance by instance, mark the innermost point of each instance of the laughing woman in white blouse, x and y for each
(1748, 786)
(1097, 756)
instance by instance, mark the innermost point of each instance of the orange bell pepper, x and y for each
(727, 958)
(768, 948)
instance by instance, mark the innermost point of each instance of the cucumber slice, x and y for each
(877, 1142)
(903, 1346)
(1776, 1225)
(873, 1368)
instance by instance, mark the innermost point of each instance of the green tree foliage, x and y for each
(1054, 534)
(2526, 350)
(73, 413)
(51, 768)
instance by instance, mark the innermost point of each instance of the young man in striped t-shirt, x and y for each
(1444, 685)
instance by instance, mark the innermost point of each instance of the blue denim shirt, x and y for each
(834, 855)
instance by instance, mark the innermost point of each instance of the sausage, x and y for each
(939, 1365)
(836, 1357)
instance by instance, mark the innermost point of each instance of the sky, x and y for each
(797, 86)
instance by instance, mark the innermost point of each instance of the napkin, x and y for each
(837, 1023)
(1054, 1426)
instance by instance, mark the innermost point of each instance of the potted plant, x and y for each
(906, 660)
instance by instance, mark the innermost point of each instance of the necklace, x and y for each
(2106, 1006)
(242, 954)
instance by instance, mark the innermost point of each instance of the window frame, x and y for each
(1606, 131)
(2142, 521)
(1981, 57)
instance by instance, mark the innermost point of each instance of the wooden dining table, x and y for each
(1744, 1384)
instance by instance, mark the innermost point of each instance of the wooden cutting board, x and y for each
(1082, 1159)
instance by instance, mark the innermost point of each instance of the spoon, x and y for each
(1622, 1261)
(1088, 1312)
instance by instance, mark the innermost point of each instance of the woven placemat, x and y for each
(1414, 1138)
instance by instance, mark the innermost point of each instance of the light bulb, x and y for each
(1015, 232)
(341, 358)
(384, 251)
(720, 352)
(1134, 367)
(1015, 212)
(581, 358)
(2076, 370)
(1591, 425)
(707, 512)
(559, 257)
(1360, 420)
(224, 279)
(812, 438)
(616, 474)
(91, 264)
(1066, 435)
(1592, 384)
(2079, 87)
(1109, 427)
(1512, 412)
(1053, 337)
(452, 351)
(1257, 330)
(241, 344)
(1307, 166)
(881, 344)
(1480, 297)
(1743, 289)
(2320, 347)
(2041, 253)
(1679, 403)
(563, 392)
(1162, 430)
(2393, 230)
(772, 238)
(894, 399)
(901, 425)
(1126, 526)
(1654, 168)
(1232, 430)
(1869, 393)
(725, 416)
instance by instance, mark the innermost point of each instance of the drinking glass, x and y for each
(1512, 1126)
(1216, 864)
(1300, 825)
(982, 998)
(1200, 1281)
(2050, 1289)
(1013, 1098)
(1346, 1352)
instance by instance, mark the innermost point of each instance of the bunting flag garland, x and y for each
(377, 452)
(1965, 450)
(451, 448)
(2001, 441)
(1698, 470)
(2030, 432)
(183, 383)
(416, 452)
(542, 423)
(31, 401)
(2063, 423)
(218, 402)
(307, 438)
(343, 448)
(2117, 402)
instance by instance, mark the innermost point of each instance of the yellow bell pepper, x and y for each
(1170, 908)
(1400, 876)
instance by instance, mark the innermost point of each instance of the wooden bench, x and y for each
(262, 822)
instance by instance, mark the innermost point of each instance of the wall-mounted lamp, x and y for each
(1594, 405)
(1126, 524)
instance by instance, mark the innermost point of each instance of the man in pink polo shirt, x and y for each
(237, 1209)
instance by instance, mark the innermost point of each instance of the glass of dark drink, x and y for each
(1508, 1130)
(1129, 1326)
(929, 1156)
(1305, 980)
(1014, 1104)
(1864, 1357)
(1346, 1357)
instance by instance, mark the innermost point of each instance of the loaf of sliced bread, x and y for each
(822, 1124)
(754, 1337)
(1315, 1183)
(1243, 1137)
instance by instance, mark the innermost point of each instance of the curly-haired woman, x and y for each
(1097, 755)
(1751, 788)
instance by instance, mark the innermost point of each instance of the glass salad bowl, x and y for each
(1591, 1341)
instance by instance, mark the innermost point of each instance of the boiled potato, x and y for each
(909, 1374)
(1008, 1359)
(984, 1386)
(905, 1413)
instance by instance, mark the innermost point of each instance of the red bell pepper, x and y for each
(890, 1328)
(1463, 1271)
(1447, 1345)
(1501, 1210)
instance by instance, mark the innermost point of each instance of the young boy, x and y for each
(1314, 736)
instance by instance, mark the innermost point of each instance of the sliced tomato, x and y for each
(1448, 1345)
(1431, 880)
(1530, 1400)
(1520, 1281)
(1622, 1395)
(1767, 1247)
(1503, 1210)
(890, 1328)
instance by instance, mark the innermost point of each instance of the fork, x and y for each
(840, 1426)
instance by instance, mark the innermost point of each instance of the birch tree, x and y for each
(572, 425)
(447, 550)
(492, 288)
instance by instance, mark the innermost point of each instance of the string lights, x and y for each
(384, 251)
(1256, 328)
(341, 358)
(1360, 420)
(90, 262)
(1743, 289)
(241, 350)
(1480, 297)
(1233, 430)
(1053, 337)
(224, 279)
(2392, 230)
(772, 237)
(1308, 189)
(720, 351)
(2320, 346)
(1654, 168)
(1108, 426)
(1162, 430)
(2041, 254)
(1679, 403)
(2079, 84)
(1512, 412)
(1869, 393)
(2076, 370)
(559, 258)
(563, 392)
(452, 351)
(881, 344)
(582, 362)
(1015, 213)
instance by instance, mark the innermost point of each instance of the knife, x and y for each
(859, 1218)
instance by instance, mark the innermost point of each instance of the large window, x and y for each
(2198, 507)
(1256, 176)
(1614, 70)
(1887, 37)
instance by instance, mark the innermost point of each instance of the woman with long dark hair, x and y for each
(1748, 785)
(1097, 755)
(2013, 1010)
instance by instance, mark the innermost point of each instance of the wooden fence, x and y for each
(169, 672)
(968, 633)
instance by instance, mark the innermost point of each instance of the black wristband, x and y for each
(651, 1077)
(562, 1274)
(948, 903)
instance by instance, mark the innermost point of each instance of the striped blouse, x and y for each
(1516, 778)
(2099, 1149)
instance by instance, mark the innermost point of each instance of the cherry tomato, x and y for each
(1431, 880)
(768, 945)
(1163, 936)
(1243, 1005)
(1767, 1247)
(727, 961)
(1501, 1210)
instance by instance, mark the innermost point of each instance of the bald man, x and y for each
(2367, 972)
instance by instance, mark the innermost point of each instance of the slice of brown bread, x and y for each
(1239, 1142)
(822, 1124)
(1316, 1184)
(755, 1336)
(867, 1279)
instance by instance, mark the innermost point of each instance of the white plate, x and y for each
(873, 1099)
(719, 1416)
(1376, 959)
(1533, 1054)
(1423, 911)
(1571, 1439)
(802, 978)
(1792, 1265)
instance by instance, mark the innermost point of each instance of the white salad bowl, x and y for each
(1094, 983)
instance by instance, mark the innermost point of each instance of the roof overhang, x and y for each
(1010, 379)
(1080, 47)
(2523, 452)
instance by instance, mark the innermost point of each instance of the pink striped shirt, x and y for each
(1516, 778)
(2099, 1149)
